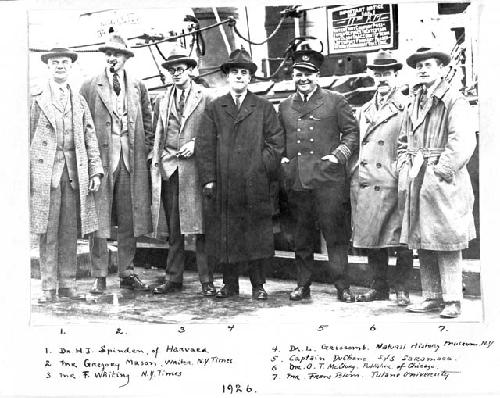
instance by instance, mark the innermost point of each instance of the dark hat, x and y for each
(59, 52)
(426, 53)
(178, 55)
(384, 60)
(239, 59)
(116, 43)
(307, 59)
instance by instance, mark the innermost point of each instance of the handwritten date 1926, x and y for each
(237, 388)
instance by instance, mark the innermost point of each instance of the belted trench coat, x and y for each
(437, 203)
(376, 219)
(97, 92)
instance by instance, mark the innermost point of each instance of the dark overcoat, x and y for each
(437, 211)
(376, 218)
(43, 145)
(97, 92)
(240, 151)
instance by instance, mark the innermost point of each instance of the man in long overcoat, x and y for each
(321, 133)
(376, 218)
(238, 154)
(121, 111)
(65, 172)
(437, 140)
(177, 121)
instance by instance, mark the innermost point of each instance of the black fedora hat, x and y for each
(59, 52)
(384, 60)
(179, 55)
(239, 59)
(307, 59)
(425, 53)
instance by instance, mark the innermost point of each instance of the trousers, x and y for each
(378, 261)
(441, 274)
(176, 253)
(123, 213)
(256, 271)
(58, 246)
(327, 206)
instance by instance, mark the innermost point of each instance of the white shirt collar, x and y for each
(307, 97)
(241, 96)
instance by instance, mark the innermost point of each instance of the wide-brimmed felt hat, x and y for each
(116, 43)
(384, 60)
(59, 52)
(179, 55)
(307, 59)
(425, 53)
(239, 59)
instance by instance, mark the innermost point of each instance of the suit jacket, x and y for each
(322, 126)
(43, 145)
(190, 199)
(97, 92)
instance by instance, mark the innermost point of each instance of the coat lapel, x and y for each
(228, 105)
(104, 91)
(45, 102)
(192, 102)
(304, 108)
(377, 117)
(133, 102)
(246, 108)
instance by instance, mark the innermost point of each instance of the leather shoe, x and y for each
(99, 285)
(299, 293)
(427, 305)
(168, 287)
(452, 309)
(208, 289)
(228, 291)
(373, 295)
(402, 298)
(69, 293)
(48, 296)
(133, 282)
(346, 296)
(259, 293)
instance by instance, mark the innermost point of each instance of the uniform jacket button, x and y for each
(312, 140)
(312, 152)
(299, 119)
(298, 141)
(311, 128)
(298, 129)
(298, 153)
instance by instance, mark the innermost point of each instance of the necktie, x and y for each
(237, 100)
(423, 97)
(62, 96)
(116, 84)
(180, 105)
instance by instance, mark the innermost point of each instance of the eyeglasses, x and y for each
(179, 70)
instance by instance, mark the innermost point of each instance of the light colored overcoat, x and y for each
(43, 145)
(190, 199)
(97, 92)
(376, 219)
(437, 213)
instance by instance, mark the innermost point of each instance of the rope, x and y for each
(41, 50)
(255, 43)
(162, 76)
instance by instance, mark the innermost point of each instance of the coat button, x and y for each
(40, 160)
(108, 124)
(381, 142)
(44, 143)
(298, 153)
(379, 165)
(363, 185)
(156, 164)
(377, 188)
(364, 142)
(363, 163)
(104, 145)
(48, 125)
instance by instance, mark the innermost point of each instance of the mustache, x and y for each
(112, 66)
